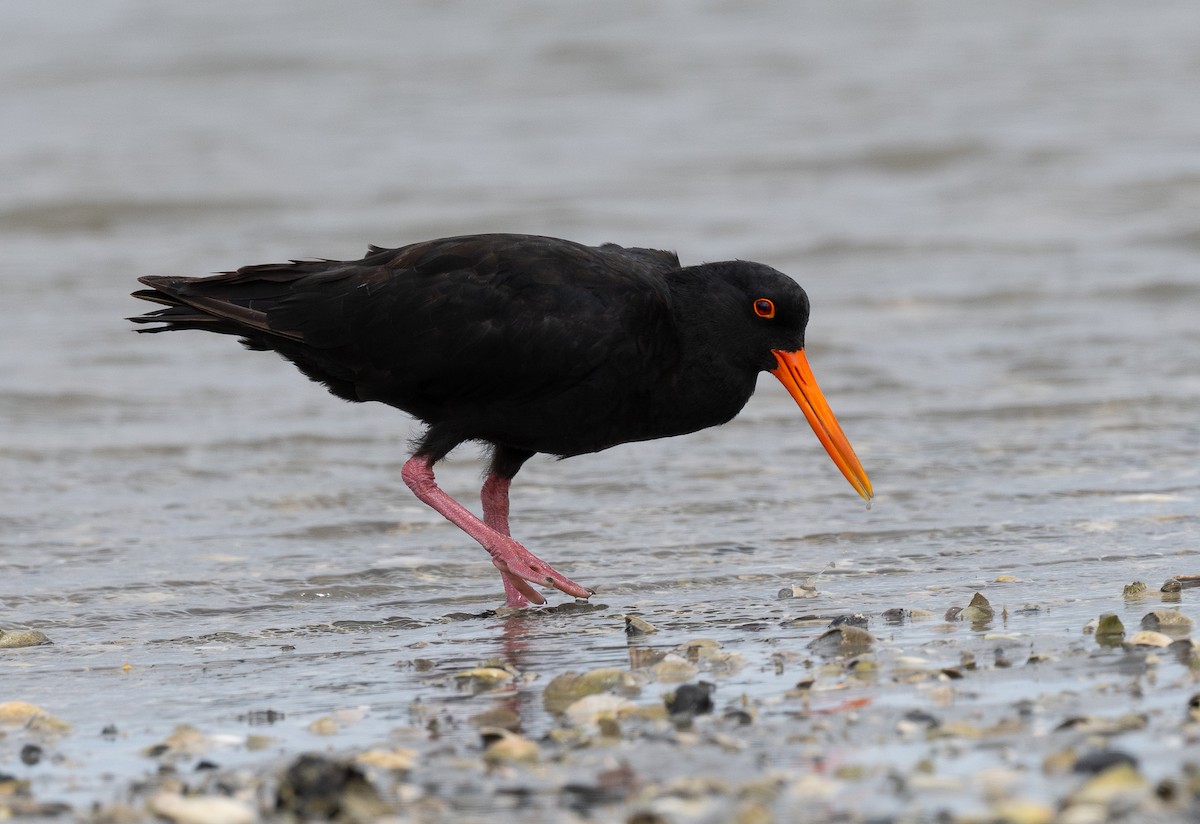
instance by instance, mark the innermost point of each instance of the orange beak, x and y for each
(795, 374)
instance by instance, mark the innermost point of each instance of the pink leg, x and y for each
(495, 503)
(517, 564)
(495, 515)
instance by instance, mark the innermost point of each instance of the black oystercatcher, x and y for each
(528, 344)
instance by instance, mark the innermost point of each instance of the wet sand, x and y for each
(993, 212)
(798, 708)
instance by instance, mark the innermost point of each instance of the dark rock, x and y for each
(316, 787)
(692, 699)
(1100, 760)
(921, 718)
(855, 620)
(739, 717)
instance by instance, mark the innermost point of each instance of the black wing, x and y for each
(446, 324)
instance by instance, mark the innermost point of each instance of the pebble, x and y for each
(1169, 621)
(324, 789)
(978, 611)
(672, 668)
(1146, 638)
(1118, 786)
(497, 717)
(1100, 760)
(567, 688)
(202, 809)
(1020, 811)
(842, 640)
(17, 638)
(483, 679)
(397, 760)
(855, 620)
(591, 708)
(23, 714)
(185, 741)
(1108, 628)
(1135, 590)
(324, 726)
(508, 747)
(1100, 725)
(638, 626)
(691, 699)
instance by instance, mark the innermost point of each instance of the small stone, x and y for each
(691, 699)
(17, 638)
(483, 679)
(1145, 638)
(1083, 814)
(638, 626)
(1181, 582)
(185, 741)
(916, 721)
(318, 788)
(673, 668)
(843, 640)
(1134, 590)
(741, 718)
(1101, 760)
(214, 809)
(568, 687)
(752, 812)
(508, 747)
(324, 726)
(856, 620)
(1121, 785)
(1109, 630)
(1059, 762)
(1169, 621)
(497, 717)
(31, 754)
(699, 649)
(21, 714)
(397, 760)
(978, 611)
(1021, 811)
(1099, 725)
(592, 708)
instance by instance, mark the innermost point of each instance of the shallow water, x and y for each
(993, 210)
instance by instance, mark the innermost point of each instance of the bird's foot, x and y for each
(520, 567)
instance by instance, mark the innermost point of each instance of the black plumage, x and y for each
(529, 344)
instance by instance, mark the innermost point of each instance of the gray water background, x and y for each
(994, 208)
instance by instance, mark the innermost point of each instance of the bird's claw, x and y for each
(520, 567)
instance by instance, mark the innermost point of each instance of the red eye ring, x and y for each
(764, 308)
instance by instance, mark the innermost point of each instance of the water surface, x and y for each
(993, 210)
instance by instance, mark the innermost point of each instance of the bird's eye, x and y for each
(764, 308)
